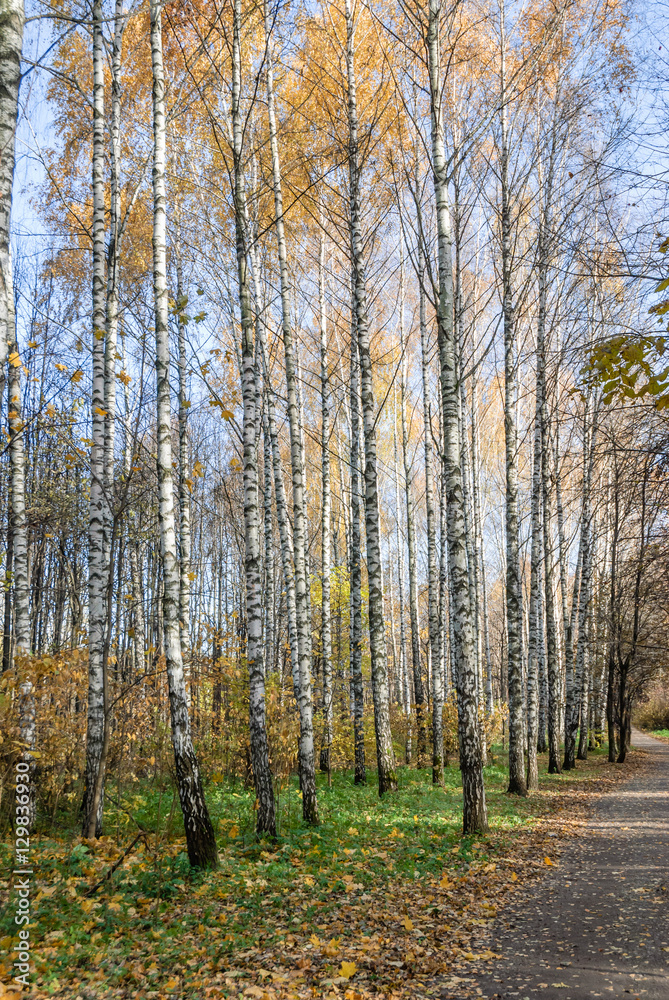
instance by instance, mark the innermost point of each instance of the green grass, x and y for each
(261, 889)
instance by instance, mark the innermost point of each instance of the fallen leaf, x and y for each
(547, 861)
(347, 969)
(407, 924)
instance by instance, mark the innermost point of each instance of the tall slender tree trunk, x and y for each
(12, 18)
(534, 616)
(200, 837)
(377, 631)
(262, 775)
(97, 508)
(184, 463)
(475, 817)
(326, 519)
(404, 668)
(20, 575)
(419, 693)
(514, 606)
(355, 573)
(432, 573)
(573, 714)
(306, 754)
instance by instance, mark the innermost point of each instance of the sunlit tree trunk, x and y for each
(20, 579)
(200, 837)
(399, 538)
(432, 572)
(97, 512)
(326, 518)
(419, 693)
(534, 616)
(574, 712)
(462, 638)
(113, 281)
(12, 18)
(184, 463)
(270, 610)
(262, 775)
(377, 637)
(355, 574)
(514, 607)
(307, 761)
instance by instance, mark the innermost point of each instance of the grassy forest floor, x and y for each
(384, 897)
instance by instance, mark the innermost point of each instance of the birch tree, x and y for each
(12, 17)
(307, 760)
(475, 818)
(200, 838)
(98, 517)
(377, 638)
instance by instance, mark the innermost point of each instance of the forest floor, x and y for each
(597, 925)
(385, 897)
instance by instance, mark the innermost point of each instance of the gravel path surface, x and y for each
(598, 924)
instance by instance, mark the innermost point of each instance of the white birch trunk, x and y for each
(432, 573)
(20, 569)
(355, 573)
(514, 606)
(326, 518)
(12, 17)
(419, 694)
(302, 596)
(200, 837)
(462, 637)
(97, 509)
(377, 637)
(184, 463)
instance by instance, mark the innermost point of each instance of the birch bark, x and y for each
(573, 713)
(97, 509)
(355, 573)
(12, 17)
(200, 838)
(20, 568)
(326, 517)
(377, 637)
(534, 617)
(462, 639)
(302, 602)
(432, 573)
(262, 775)
(184, 464)
(514, 607)
(419, 693)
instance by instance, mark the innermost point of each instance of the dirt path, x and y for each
(598, 924)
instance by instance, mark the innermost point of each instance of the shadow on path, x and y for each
(598, 924)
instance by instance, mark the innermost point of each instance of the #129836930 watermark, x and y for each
(22, 872)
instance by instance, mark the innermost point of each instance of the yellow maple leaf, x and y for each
(78, 375)
(100, 412)
(347, 969)
(514, 877)
(547, 861)
(233, 831)
(61, 368)
(309, 880)
(332, 947)
(315, 940)
(15, 359)
(407, 924)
